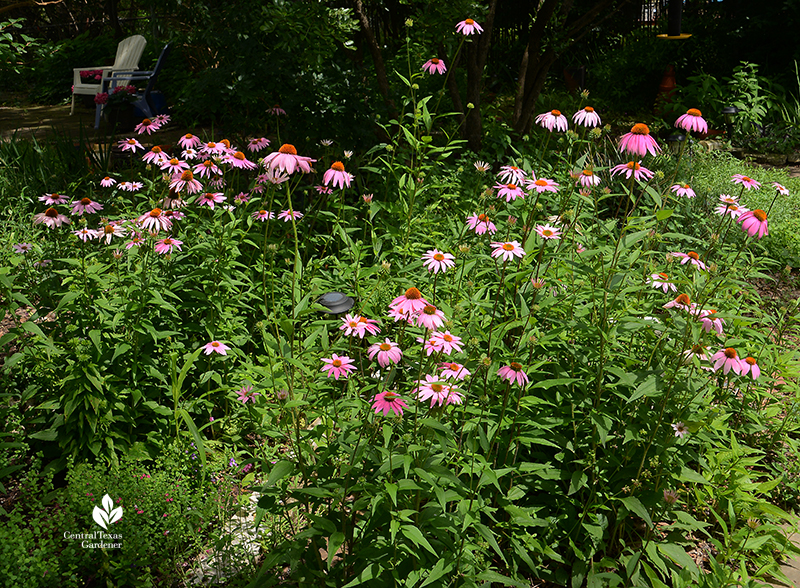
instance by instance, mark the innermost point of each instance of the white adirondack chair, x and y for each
(129, 51)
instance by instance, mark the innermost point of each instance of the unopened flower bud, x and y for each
(470, 106)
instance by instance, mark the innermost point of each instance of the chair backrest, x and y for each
(129, 51)
(157, 69)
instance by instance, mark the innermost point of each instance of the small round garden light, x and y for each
(729, 112)
(336, 302)
(674, 142)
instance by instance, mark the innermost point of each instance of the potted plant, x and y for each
(118, 109)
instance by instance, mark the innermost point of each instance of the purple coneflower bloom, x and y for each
(433, 66)
(542, 185)
(691, 257)
(256, 145)
(437, 261)
(692, 121)
(632, 168)
(107, 182)
(85, 205)
(337, 176)
(745, 181)
(387, 353)
(480, 223)
(586, 117)
(130, 145)
(728, 360)
(468, 27)
(388, 402)
(754, 223)
(286, 160)
(552, 120)
(50, 217)
(215, 347)
(508, 250)
(638, 141)
(337, 366)
(513, 373)
(147, 126)
(683, 190)
(263, 215)
(287, 215)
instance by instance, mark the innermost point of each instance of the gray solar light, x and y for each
(336, 302)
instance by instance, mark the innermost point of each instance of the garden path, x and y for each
(791, 567)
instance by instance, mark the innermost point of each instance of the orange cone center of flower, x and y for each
(131, 141)
(51, 212)
(168, 241)
(511, 186)
(693, 255)
(337, 166)
(697, 349)
(147, 121)
(588, 109)
(733, 207)
(746, 179)
(438, 257)
(353, 324)
(448, 338)
(262, 212)
(540, 183)
(174, 161)
(188, 136)
(362, 319)
(712, 311)
(337, 363)
(86, 201)
(633, 165)
(555, 112)
(413, 294)
(587, 172)
(385, 347)
(508, 247)
(683, 299)
(155, 213)
(686, 186)
(211, 145)
(483, 218)
(156, 149)
(108, 229)
(213, 343)
(750, 360)
(435, 61)
(665, 276)
(730, 353)
(547, 233)
(187, 176)
(287, 148)
(208, 163)
(106, 178)
(469, 21)
(429, 310)
(239, 155)
(760, 215)
(515, 366)
(454, 367)
(694, 112)
(436, 388)
(640, 129)
(390, 397)
(226, 143)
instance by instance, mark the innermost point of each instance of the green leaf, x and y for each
(678, 555)
(494, 577)
(689, 475)
(198, 439)
(635, 506)
(415, 535)
(279, 470)
(368, 573)
(334, 543)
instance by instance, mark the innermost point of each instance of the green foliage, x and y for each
(13, 47)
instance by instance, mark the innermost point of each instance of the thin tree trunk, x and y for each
(477, 54)
(377, 58)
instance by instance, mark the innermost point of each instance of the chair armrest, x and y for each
(76, 72)
(129, 74)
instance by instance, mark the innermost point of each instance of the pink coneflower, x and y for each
(155, 156)
(733, 210)
(85, 234)
(547, 232)
(542, 185)
(214, 148)
(286, 160)
(388, 352)
(586, 117)
(552, 120)
(430, 318)
(189, 141)
(276, 111)
(482, 166)
(691, 257)
(155, 220)
(638, 141)
(207, 168)
(130, 186)
(241, 198)
(162, 119)
(53, 199)
(185, 180)
(173, 215)
(454, 370)
(510, 191)
(367, 198)
(683, 302)
(683, 190)
(511, 174)
(745, 181)
(50, 217)
(107, 182)
(85, 205)
(710, 322)
(410, 302)
(632, 168)
(136, 241)
(174, 166)
(353, 327)
(210, 199)
(388, 402)
(513, 373)
(337, 366)
(147, 126)
(754, 223)
(447, 341)
(728, 199)
(580, 248)
(680, 429)
(728, 360)
(508, 250)
(256, 145)
(588, 179)
(215, 347)
(245, 394)
(697, 351)
(749, 366)
(692, 121)
(370, 325)
(437, 391)
(430, 345)
(337, 176)
(287, 215)
(109, 231)
(22, 248)
(437, 261)
(468, 27)
(166, 245)
(190, 154)
(433, 66)
(130, 145)
(263, 215)
(480, 223)
(781, 189)
(660, 280)
(238, 160)
(324, 190)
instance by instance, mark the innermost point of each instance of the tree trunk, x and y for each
(477, 53)
(377, 58)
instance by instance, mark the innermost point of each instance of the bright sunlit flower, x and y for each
(482, 166)
(660, 280)
(85, 234)
(189, 141)
(352, 326)
(728, 360)
(437, 261)
(410, 302)
(215, 347)
(682, 302)
(691, 257)
(387, 353)
(754, 223)
(481, 224)
(263, 215)
(588, 179)
(256, 145)
(710, 321)
(337, 176)
(245, 394)
(638, 141)
(749, 366)
(51, 218)
(542, 185)
(509, 191)
(53, 199)
(447, 342)
(155, 156)
(286, 160)
(185, 180)
(692, 121)
(288, 215)
(107, 182)
(552, 120)
(513, 373)
(130, 145)
(781, 189)
(388, 402)
(547, 232)
(438, 391)
(586, 117)
(632, 168)
(433, 66)
(508, 250)
(430, 318)
(745, 181)
(337, 367)
(683, 190)
(210, 199)
(238, 160)
(147, 126)
(164, 246)
(155, 220)
(85, 205)
(511, 174)
(468, 27)
(733, 210)
(174, 166)
(454, 370)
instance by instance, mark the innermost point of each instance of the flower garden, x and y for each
(413, 365)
